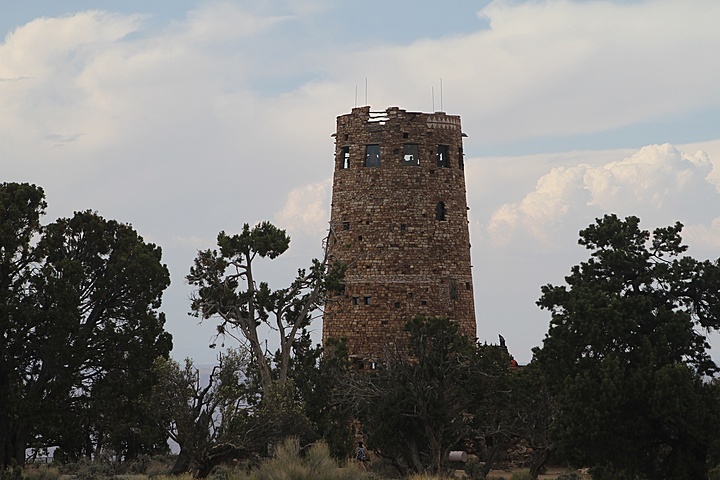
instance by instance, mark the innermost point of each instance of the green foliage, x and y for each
(627, 355)
(80, 329)
(316, 464)
(520, 476)
(317, 375)
(227, 290)
(568, 476)
(714, 473)
(426, 398)
(41, 473)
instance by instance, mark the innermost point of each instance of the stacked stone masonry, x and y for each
(400, 224)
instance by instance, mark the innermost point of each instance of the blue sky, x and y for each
(186, 118)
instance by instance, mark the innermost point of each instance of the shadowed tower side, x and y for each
(399, 221)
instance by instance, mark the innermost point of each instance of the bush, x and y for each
(714, 473)
(520, 476)
(569, 476)
(317, 464)
(41, 473)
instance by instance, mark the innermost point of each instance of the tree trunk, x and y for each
(182, 463)
(537, 462)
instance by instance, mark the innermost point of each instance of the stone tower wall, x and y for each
(400, 226)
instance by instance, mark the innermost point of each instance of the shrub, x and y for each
(317, 464)
(41, 473)
(425, 476)
(569, 476)
(520, 476)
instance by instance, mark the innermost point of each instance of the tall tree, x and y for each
(21, 206)
(423, 399)
(228, 290)
(627, 353)
(80, 314)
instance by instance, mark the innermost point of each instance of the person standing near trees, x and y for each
(361, 455)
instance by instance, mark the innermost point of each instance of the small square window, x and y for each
(443, 159)
(440, 211)
(372, 155)
(411, 154)
(344, 157)
(366, 300)
(356, 300)
(346, 226)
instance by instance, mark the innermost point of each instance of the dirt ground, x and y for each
(551, 474)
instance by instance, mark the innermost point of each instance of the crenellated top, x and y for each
(391, 115)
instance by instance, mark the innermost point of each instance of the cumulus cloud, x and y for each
(659, 183)
(556, 67)
(306, 209)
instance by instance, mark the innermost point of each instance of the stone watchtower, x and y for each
(399, 221)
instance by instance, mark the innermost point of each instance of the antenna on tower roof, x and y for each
(366, 93)
(441, 102)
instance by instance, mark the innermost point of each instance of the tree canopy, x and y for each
(81, 329)
(627, 355)
(226, 289)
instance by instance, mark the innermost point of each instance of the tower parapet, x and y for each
(399, 222)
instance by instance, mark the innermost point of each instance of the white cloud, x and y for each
(306, 210)
(554, 67)
(659, 183)
(204, 124)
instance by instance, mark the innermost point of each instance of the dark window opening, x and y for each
(411, 154)
(397, 304)
(423, 302)
(453, 289)
(440, 211)
(372, 155)
(443, 158)
(467, 286)
(366, 300)
(344, 157)
(403, 227)
(356, 300)
(406, 135)
(360, 237)
(461, 158)
(347, 136)
(346, 225)
(410, 294)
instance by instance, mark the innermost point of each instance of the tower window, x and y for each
(344, 157)
(372, 155)
(440, 211)
(461, 158)
(453, 289)
(366, 300)
(443, 159)
(356, 300)
(410, 154)
(346, 225)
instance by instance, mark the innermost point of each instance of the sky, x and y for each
(185, 118)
